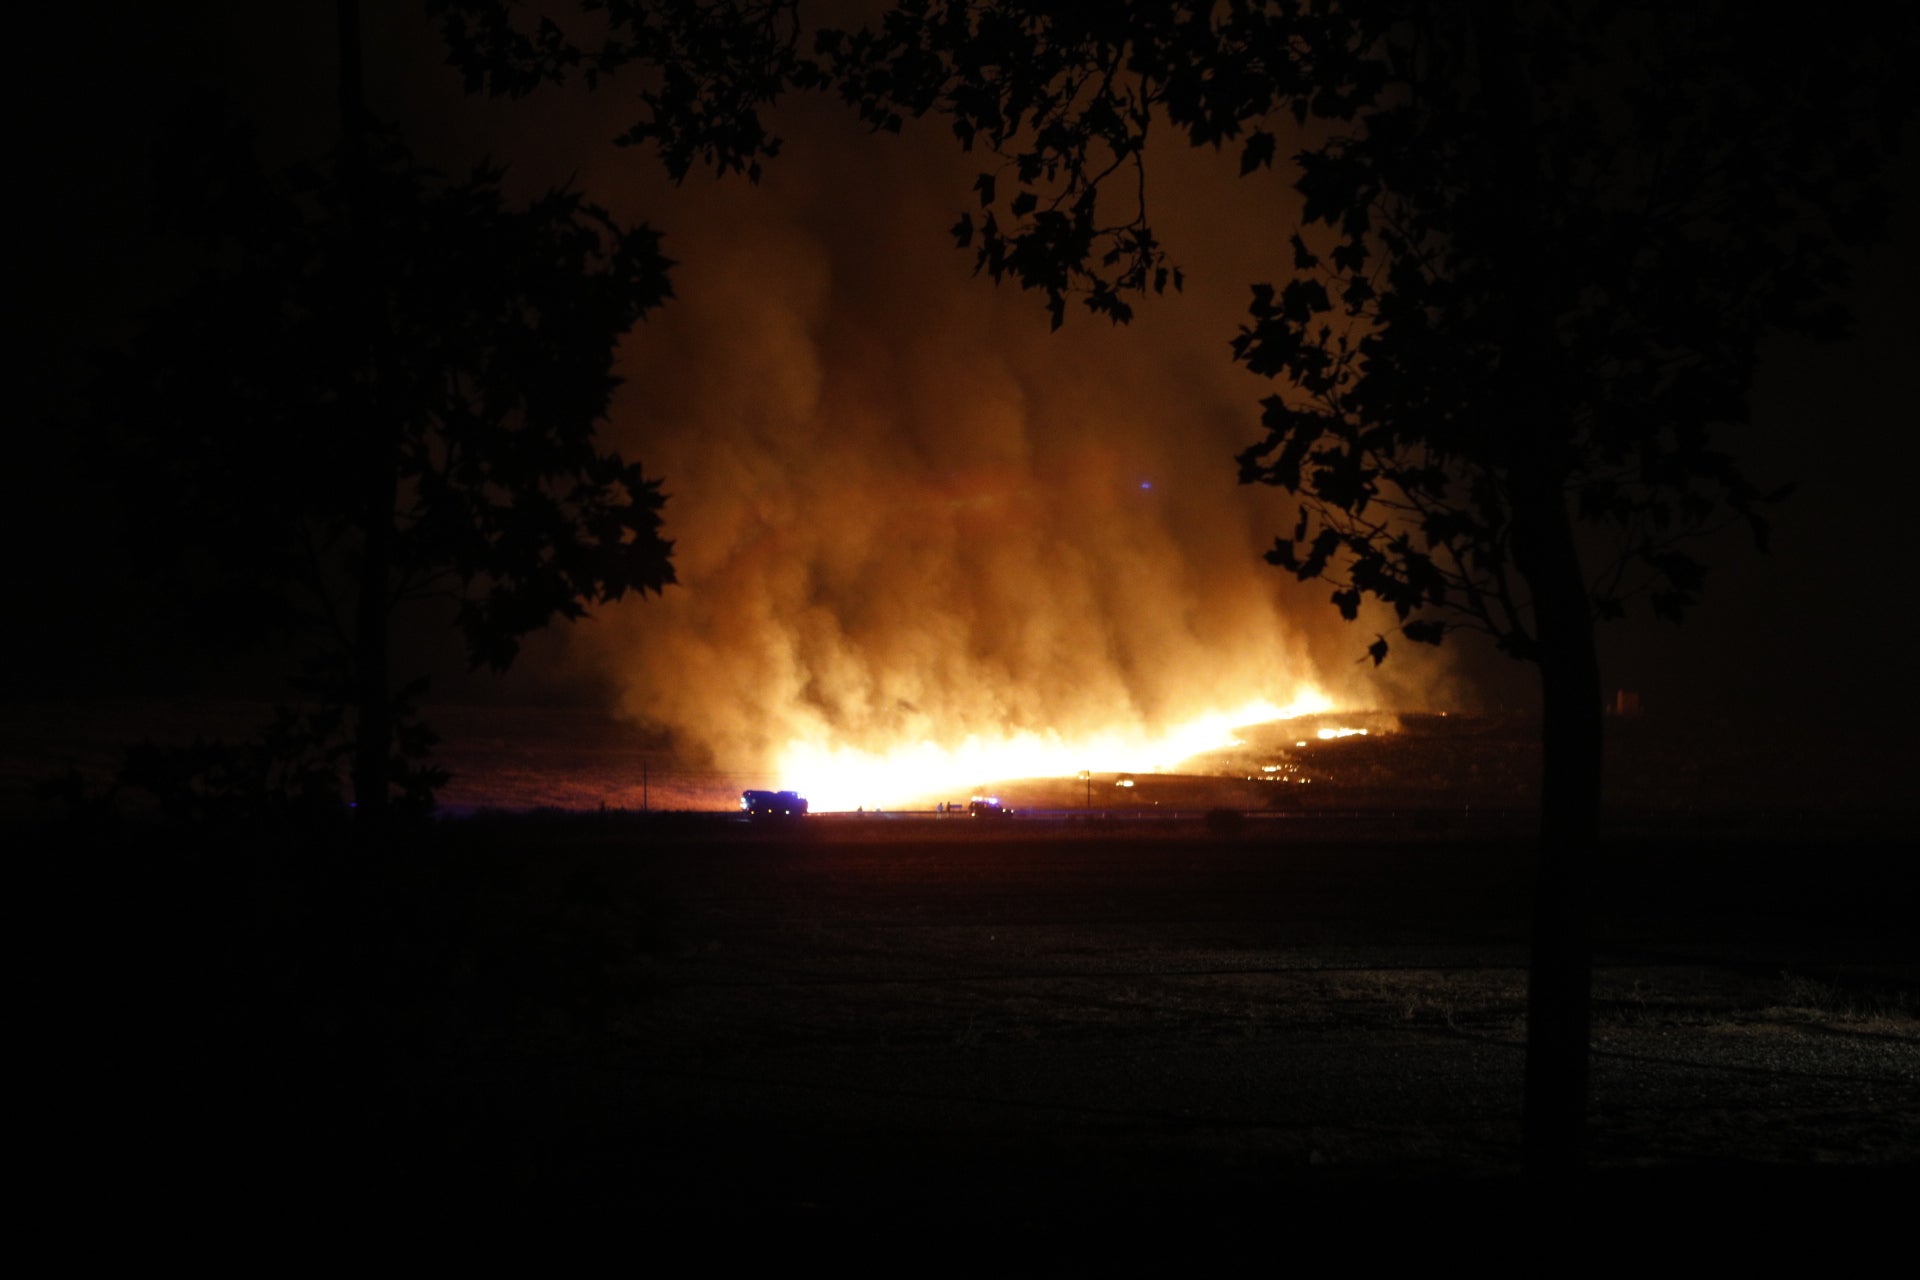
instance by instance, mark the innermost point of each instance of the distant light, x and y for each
(1146, 484)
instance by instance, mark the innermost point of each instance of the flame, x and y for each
(1326, 735)
(840, 777)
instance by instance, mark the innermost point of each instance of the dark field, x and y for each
(1024, 1030)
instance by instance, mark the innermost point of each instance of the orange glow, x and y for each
(1328, 734)
(840, 777)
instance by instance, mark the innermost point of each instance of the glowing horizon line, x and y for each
(840, 777)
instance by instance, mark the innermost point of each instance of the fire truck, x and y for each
(773, 804)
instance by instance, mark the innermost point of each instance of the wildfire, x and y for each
(837, 777)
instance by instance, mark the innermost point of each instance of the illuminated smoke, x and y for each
(905, 514)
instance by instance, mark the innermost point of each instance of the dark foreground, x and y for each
(1106, 1040)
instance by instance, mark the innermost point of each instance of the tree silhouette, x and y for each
(704, 69)
(1539, 246)
(381, 392)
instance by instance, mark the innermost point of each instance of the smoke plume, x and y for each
(904, 511)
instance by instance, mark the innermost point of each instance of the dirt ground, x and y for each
(1029, 1028)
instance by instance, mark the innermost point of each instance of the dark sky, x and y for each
(899, 502)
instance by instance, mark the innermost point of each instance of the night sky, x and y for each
(901, 506)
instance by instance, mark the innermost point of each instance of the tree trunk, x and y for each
(372, 701)
(1560, 971)
(373, 728)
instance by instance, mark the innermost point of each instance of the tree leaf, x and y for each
(1257, 153)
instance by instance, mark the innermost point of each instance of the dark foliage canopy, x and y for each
(1535, 240)
(702, 70)
(412, 364)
